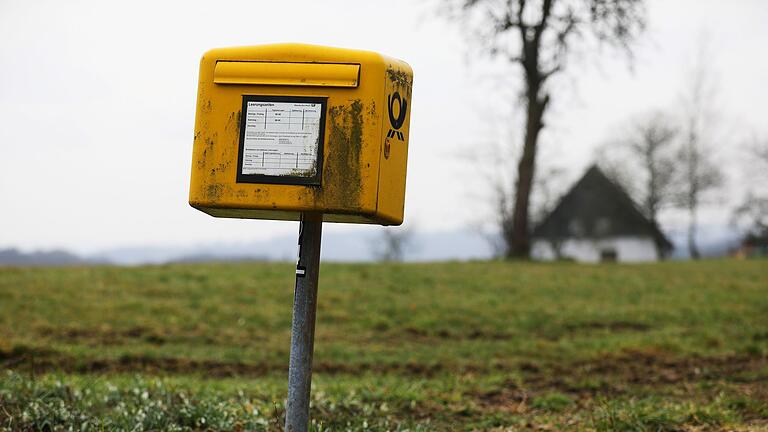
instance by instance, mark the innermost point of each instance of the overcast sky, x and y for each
(97, 102)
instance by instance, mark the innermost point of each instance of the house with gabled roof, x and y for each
(597, 221)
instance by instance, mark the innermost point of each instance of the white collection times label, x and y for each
(281, 138)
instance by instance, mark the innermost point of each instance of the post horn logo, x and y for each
(396, 123)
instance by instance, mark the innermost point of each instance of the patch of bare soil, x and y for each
(36, 360)
(107, 336)
(614, 326)
(555, 333)
(617, 374)
(610, 374)
(101, 336)
(580, 329)
(650, 367)
(416, 334)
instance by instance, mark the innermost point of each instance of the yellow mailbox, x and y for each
(287, 129)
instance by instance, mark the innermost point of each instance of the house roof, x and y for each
(596, 207)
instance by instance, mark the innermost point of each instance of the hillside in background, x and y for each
(350, 246)
(15, 257)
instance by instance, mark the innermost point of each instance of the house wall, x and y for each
(628, 249)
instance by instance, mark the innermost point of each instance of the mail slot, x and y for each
(296, 74)
(288, 129)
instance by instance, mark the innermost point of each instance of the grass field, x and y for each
(449, 346)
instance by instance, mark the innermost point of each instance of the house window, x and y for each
(576, 228)
(603, 227)
(608, 255)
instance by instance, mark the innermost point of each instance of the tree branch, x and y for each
(553, 70)
(546, 11)
(521, 25)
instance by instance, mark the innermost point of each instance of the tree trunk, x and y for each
(693, 249)
(519, 246)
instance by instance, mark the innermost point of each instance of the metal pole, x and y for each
(303, 327)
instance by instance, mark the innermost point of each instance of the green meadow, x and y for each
(673, 346)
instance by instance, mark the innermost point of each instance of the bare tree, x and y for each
(643, 162)
(699, 173)
(539, 36)
(751, 217)
(548, 190)
(493, 167)
(393, 243)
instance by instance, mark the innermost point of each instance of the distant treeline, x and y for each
(15, 257)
